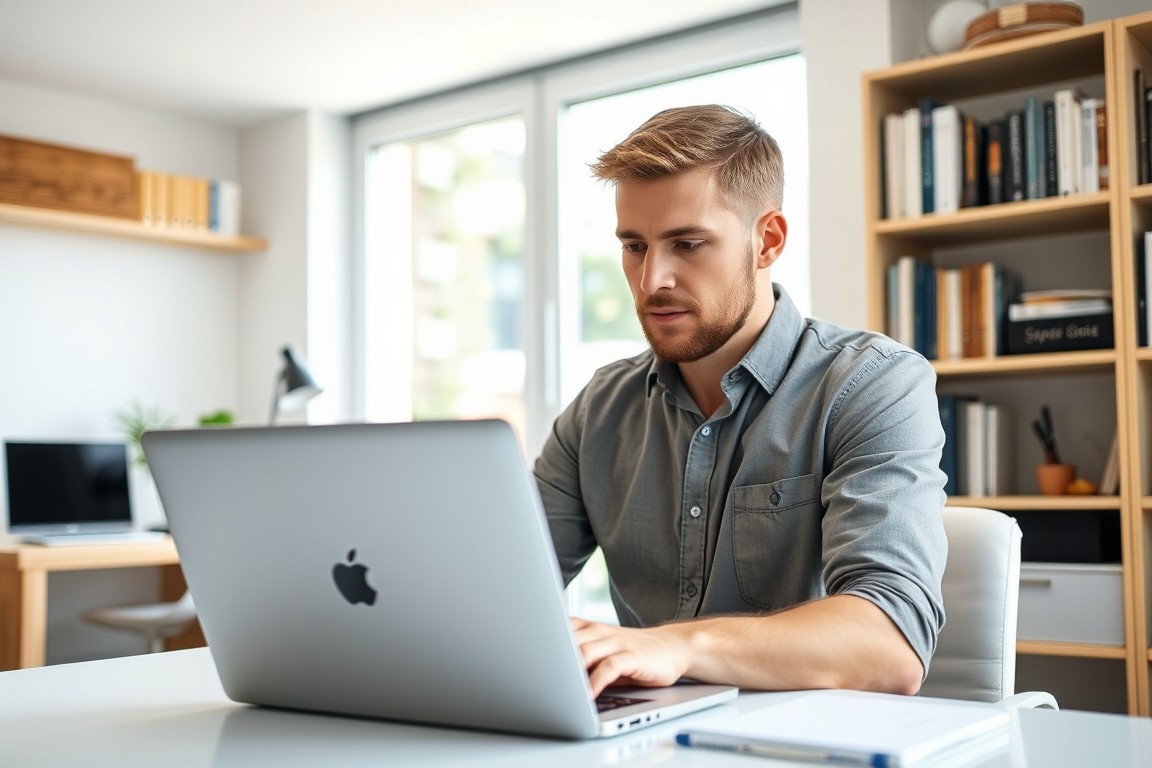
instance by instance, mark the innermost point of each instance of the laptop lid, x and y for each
(399, 571)
(72, 487)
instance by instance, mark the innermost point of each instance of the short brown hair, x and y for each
(745, 159)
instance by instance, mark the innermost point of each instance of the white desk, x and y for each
(168, 709)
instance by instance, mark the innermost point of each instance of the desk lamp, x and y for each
(294, 385)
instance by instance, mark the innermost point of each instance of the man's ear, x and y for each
(770, 233)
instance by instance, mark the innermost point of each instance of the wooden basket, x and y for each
(67, 179)
(1020, 20)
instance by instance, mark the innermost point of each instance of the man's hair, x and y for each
(745, 160)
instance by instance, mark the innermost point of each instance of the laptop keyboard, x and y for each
(610, 701)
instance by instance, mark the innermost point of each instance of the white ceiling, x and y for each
(238, 61)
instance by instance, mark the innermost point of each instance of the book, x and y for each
(1070, 308)
(1036, 179)
(999, 464)
(972, 458)
(1068, 140)
(947, 158)
(1052, 183)
(949, 406)
(852, 728)
(1103, 170)
(994, 161)
(1089, 162)
(1064, 294)
(224, 207)
(913, 196)
(974, 182)
(1060, 334)
(926, 107)
(1015, 178)
(1141, 286)
(1109, 484)
(893, 166)
(1141, 127)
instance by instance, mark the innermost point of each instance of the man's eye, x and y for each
(688, 245)
(634, 247)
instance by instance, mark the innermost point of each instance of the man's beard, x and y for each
(712, 334)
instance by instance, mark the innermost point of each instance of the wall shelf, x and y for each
(25, 216)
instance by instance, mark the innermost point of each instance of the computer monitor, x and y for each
(67, 487)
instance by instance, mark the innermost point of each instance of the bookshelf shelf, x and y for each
(1084, 240)
(19, 215)
(1041, 363)
(1046, 503)
(1071, 650)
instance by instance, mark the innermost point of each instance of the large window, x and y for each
(489, 273)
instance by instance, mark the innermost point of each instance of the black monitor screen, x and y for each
(67, 486)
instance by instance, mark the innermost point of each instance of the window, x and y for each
(489, 272)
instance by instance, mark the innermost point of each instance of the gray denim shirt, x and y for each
(821, 475)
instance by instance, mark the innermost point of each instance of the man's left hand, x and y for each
(656, 656)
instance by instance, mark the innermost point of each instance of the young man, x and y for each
(766, 488)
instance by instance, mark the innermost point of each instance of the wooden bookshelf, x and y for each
(1101, 58)
(42, 218)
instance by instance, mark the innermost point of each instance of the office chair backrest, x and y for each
(975, 655)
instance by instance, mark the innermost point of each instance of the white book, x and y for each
(954, 318)
(913, 180)
(853, 728)
(894, 178)
(972, 424)
(999, 467)
(947, 158)
(224, 207)
(906, 301)
(1073, 308)
(1089, 160)
(1068, 140)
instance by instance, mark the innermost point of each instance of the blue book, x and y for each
(1035, 172)
(927, 176)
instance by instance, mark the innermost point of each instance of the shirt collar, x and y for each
(768, 359)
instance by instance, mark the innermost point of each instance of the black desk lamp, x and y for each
(294, 385)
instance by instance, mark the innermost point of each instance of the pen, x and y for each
(783, 751)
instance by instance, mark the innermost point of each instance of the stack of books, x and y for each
(1060, 321)
(978, 455)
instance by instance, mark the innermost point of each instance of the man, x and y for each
(765, 488)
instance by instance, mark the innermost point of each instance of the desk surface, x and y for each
(169, 709)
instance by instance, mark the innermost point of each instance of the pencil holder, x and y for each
(1053, 479)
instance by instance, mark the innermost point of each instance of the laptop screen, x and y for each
(74, 487)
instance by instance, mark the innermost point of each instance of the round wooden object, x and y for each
(1019, 20)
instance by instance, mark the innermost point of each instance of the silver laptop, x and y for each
(396, 571)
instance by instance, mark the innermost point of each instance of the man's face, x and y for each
(689, 263)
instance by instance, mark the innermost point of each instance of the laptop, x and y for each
(394, 571)
(69, 492)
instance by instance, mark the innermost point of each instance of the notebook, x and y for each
(853, 728)
(395, 571)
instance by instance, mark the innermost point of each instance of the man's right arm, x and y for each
(557, 471)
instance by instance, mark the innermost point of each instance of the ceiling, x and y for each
(240, 61)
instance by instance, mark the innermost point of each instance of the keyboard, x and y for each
(609, 701)
(75, 539)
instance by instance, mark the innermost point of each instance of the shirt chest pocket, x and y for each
(776, 540)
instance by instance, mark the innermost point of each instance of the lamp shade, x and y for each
(294, 384)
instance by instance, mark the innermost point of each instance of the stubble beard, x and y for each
(713, 333)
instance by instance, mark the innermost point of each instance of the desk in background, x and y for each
(24, 570)
(169, 709)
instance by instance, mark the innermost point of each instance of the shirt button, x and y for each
(695, 511)
(706, 431)
(691, 590)
(775, 498)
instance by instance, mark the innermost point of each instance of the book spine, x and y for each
(1015, 183)
(893, 165)
(971, 194)
(927, 169)
(913, 197)
(1067, 131)
(1089, 166)
(1051, 184)
(1033, 133)
(995, 162)
(947, 160)
(948, 455)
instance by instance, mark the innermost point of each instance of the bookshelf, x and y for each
(1097, 393)
(43, 218)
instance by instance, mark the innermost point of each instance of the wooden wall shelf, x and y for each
(24, 216)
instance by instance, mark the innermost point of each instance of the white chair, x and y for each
(156, 621)
(975, 655)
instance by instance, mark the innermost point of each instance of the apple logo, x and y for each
(352, 581)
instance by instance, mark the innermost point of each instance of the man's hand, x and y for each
(656, 656)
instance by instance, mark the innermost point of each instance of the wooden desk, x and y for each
(24, 570)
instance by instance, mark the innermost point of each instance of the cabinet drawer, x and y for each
(1071, 602)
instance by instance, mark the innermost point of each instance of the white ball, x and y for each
(947, 23)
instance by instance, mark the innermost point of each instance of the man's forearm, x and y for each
(840, 641)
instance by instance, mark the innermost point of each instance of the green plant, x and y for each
(220, 418)
(137, 419)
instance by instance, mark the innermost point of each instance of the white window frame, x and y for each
(541, 98)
